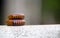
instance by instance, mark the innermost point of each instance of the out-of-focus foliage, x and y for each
(51, 4)
(51, 7)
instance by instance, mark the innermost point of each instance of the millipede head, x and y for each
(9, 22)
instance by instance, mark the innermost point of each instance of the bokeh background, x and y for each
(36, 11)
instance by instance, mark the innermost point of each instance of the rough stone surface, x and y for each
(36, 31)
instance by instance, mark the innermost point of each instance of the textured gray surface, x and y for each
(39, 31)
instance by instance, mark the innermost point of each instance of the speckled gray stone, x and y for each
(36, 31)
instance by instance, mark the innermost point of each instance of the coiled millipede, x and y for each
(15, 20)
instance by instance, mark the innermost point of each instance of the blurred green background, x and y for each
(51, 8)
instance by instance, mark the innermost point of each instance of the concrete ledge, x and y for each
(29, 31)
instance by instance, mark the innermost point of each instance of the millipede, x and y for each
(16, 20)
